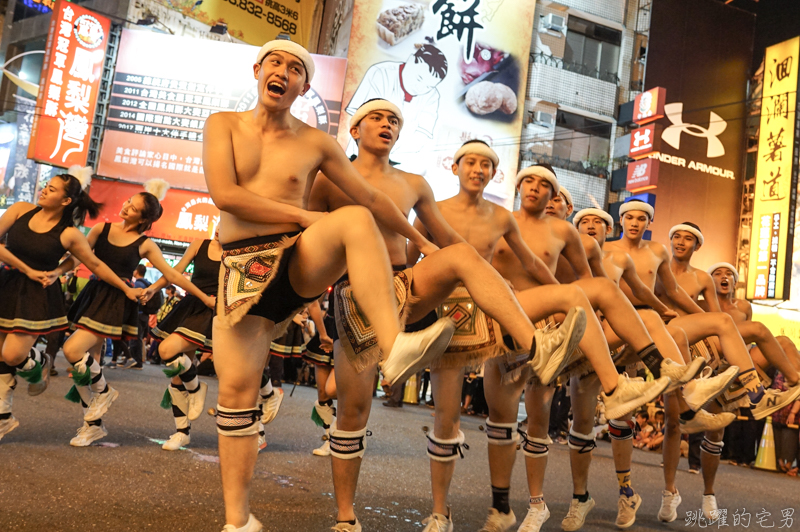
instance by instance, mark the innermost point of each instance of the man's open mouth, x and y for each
(724, 283)
(276, 88)
(385, 135)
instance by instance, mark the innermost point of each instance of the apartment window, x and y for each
(592, 49)
(579, 138)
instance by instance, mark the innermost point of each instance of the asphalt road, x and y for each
(127, 483)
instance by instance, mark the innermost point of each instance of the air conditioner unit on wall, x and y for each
(540, 118)
(553, 22)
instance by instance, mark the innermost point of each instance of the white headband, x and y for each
(540, 171)
(731, 267)
(477, 148)
(593, 212)
(567, 196)
(689, 229)
(637, 206)
(378, 104)
(280, 45)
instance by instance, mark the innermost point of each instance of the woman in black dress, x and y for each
(101, 310)
(185, 330)
(31, 301)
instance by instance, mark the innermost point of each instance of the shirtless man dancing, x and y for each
(376, 126)
(278, 257)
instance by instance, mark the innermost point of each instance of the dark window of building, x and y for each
(30, 8)
(592, 49)
(579, 138)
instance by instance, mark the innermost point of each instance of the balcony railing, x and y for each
(582, 167)
(557, 62)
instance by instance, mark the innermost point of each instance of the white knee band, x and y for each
(535, 447)
(501, 433)
(233, 422)
(620, 430)
(712, 447)
(446, 450)
(583, 443)
(347, 445)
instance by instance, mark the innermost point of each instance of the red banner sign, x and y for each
(644, 141)
(649, 106)
(642, 175)
(187, 215)
(71, 71)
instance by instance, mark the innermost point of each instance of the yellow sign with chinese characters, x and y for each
(774, 202)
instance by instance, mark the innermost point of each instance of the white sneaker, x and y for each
(554, 347)
(197, 402)
(270, 407)
(413, 352)
(498, 521)
(576, 515)
(323, 450)
(88, 434)
(325, 413)
(680, 374)
(534, 520)
(669, 506)
(774, 400)
(438, 522)
(710, 509)
(345, 527)
(41, 386)
(705, 388)
(176, 441)
(262, 437)
(703, 421)
(7, 425)
(626, 510)
(630, 394)
(99, 404)
(252, 525)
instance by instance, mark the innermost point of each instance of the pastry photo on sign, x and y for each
(396, 23)
(490, 78)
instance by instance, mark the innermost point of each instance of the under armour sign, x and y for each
(716, 126)
(644, 141)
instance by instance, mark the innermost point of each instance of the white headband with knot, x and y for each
(689, 229)
(637, 205)
(83, 174)
(540, 171)
(567, 196)
(731, 267)
(378, 104)
(477, 148)
(281, 45)
(593, 212)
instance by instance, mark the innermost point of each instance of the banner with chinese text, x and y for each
(70, 80)
(772, 233)
(159, 103)
(187, 215)
(457, 70)
(253, 21)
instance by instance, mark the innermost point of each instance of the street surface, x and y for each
(127, 483)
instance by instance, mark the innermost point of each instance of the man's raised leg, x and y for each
(754, 331)
(240, 352)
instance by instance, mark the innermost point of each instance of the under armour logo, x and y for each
(672, 134)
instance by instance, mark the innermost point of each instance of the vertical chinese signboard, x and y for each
(71, 71)
(776, 176)
(456, 69)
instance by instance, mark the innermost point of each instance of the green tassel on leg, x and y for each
(316, 419)
(81, 379)
(33, 375)
(73, 395)
(173, 372)
(166, 400)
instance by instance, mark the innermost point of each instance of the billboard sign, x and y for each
(645, 141)
(642, 175)
(648, 106)
(70, 81)
(159, 103)
(457, 71)
(775, 193)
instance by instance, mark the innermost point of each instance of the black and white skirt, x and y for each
(290, 345)
(105, 311)
(27, 308)
(190, 319)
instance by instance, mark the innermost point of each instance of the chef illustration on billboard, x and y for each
(412, 86)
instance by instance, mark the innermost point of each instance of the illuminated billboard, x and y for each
(71, 72)
(776, 177)
(457, 71)
(160, 102)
